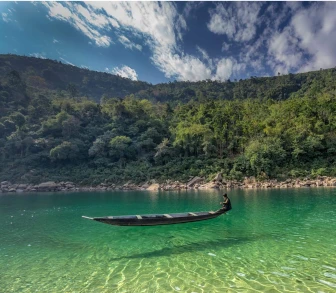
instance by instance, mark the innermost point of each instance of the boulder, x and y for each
(306, 184)
(249, 180)
(145, 186)
(168, 187)
(193, 181)
(210, 185)
(47, 186)
(153, 187)
(219, 177)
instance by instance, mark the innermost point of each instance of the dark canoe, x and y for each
(158, 219)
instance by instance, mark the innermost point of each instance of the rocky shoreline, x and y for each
(194, 183)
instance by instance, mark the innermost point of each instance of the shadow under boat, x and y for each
(192, 247)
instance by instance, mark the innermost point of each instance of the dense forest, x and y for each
(63, 123)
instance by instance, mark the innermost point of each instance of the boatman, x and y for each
(226, 203)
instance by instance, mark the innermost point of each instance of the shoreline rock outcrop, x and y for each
(195, 183)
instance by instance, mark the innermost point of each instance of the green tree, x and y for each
(72, 89)
(119, 147)
(65, 151)
(70, 127)
(18, 119)
(265, 155)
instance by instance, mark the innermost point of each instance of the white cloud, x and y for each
(157, 24)
(126, 72)
(205, 56)
(8, 16)
(38, 55)
(225, 47)
(291, 37)
(57, 10)
(284, 52)
(161, 25)
(183, 67)
(55, 41)
(66, 61)
(95, 19)
(103, 41)
(315, 29)
(5, 17)
(114, 23)
(226, 67)
(238, 21)
(82, 19)
(308, 42)
(128, 44)
(191, 6)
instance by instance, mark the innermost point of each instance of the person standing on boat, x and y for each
(226, 203)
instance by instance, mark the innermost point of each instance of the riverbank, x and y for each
(193, 183)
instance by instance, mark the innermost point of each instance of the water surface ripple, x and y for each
(272, 241)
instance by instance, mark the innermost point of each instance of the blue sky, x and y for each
(165, 41)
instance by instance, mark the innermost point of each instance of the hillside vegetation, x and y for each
(49, 75)
(53, 128)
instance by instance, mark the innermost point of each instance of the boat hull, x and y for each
(159, 219)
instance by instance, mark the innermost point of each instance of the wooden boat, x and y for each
(158, 219)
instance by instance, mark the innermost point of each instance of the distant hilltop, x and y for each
(51, 75)
(46, 74)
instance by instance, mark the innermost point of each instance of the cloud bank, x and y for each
(269, 37)
(157, 23)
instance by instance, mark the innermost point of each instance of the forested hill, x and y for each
(277, 87)
(275, 127)
(44, 74)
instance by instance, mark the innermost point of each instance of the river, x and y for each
(271, 241)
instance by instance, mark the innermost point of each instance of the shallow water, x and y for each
(271, 241)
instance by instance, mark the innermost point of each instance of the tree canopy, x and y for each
(275, 127)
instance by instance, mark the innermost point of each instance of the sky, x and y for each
(166, 41)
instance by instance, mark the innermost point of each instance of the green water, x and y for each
(272, 241)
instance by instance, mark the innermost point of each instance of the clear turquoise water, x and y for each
(272, 241)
